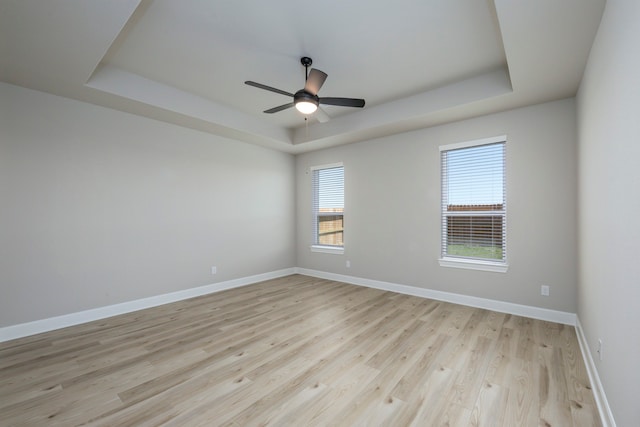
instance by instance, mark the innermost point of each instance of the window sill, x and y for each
(473, 264)
(338, 250)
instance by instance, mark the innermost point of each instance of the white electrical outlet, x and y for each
(599, 349)
(348, 264)
(214, 269)
(544, 290)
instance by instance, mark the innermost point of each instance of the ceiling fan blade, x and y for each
(343, 102)
(269, 88)
(279, 108)
(321, 115)
(315, 80)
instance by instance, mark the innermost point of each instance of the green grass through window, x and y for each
(486, 252)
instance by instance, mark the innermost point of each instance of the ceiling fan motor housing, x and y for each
(304, 96)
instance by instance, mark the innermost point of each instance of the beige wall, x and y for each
(392, 208)
(99, 207)
(609, 205)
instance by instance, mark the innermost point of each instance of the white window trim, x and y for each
(474, 264)
(474, 143)
(470, 263)
(327, 166)
(337, 250)
(325, 249)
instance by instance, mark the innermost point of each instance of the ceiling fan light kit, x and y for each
(306, 100)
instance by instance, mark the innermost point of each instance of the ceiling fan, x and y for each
(306, 100)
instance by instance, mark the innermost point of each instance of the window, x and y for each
(328, 208)
(474, 205)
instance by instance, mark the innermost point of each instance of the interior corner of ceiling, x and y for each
(493, 6)
(132, 12)
(507, 76)
(102, 77)
(302, 135)
(291, 134)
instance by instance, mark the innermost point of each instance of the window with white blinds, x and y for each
(328, 207)
(474, 210)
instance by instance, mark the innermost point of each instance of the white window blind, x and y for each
(328, 206)
(474, 201)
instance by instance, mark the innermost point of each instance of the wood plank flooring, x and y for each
(299, 351)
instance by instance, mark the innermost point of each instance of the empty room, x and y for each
(288, 213)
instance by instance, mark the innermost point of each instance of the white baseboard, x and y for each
(31, 328)
(45, 325)
(598, 391)
(488, 304)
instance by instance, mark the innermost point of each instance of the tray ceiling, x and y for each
(417, 63)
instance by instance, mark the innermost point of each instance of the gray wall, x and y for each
(99, 207)
(392, 208)
(609, 205)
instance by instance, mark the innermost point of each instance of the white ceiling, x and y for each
(417, 63)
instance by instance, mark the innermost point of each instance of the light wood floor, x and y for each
(300, 351)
